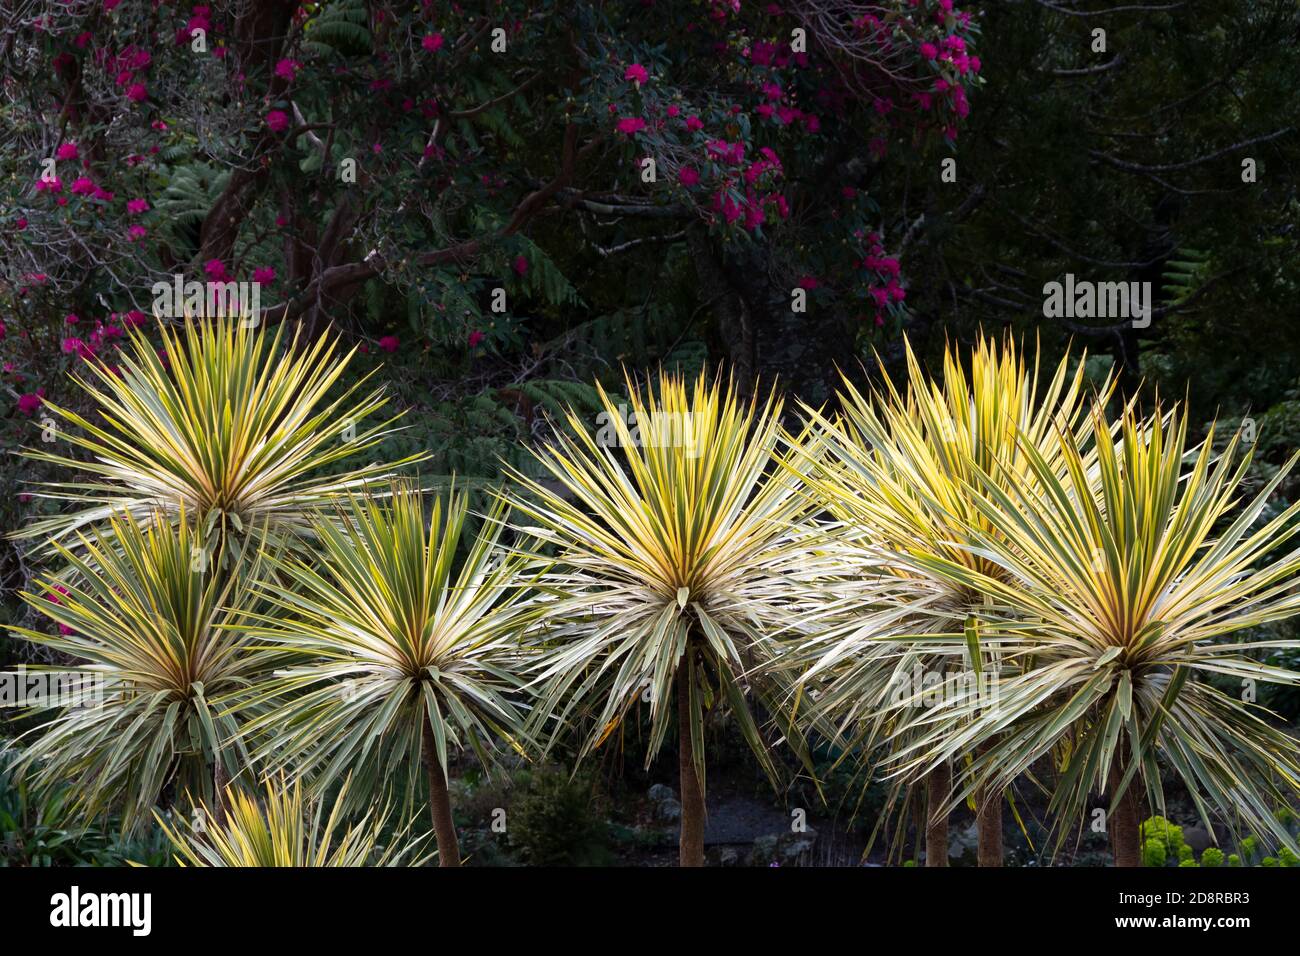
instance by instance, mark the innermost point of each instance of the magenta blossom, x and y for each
(277, 120)
(264, 274)
(137, 206)
(521, 265)
(637, 74)
(475, 338)
(216, 269)
(432, 42)
(389, 343)
(630, 125)
(66, 151)
(137, 93)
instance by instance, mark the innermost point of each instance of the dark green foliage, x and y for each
(42, 829)
(555, 820)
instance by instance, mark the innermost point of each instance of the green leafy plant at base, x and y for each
(1163, 845)
(556, 821)
(283, 830)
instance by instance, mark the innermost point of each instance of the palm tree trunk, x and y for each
(691, 844)
(220, 781)
(937, 784)
(1125, 834)
(439, 801)
(988, 825)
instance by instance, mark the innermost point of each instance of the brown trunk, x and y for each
(439, 801)
(691, 845)
(1125, 838)
(988, 825)
(220, 781)
(937, 784)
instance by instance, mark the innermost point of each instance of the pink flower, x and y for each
(83, 186)
(66, 151)
(808, 282)
(389, 343)
(277, 120)
(432, 42)
(71, 319)
(688, 176)
(20, 224)
(729, 208)
(137, 93)
(216, 269)
(521, 265)
(637, 74)
(286, 69)
(694, 123)
(27, 404)
(630, 125)
(282, 221)
(929, 51)
(475, 338)
(136, 232)
(264, 274)
(51, 185)
(134, 319)
(137, 206)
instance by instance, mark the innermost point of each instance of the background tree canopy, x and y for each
(506, 202)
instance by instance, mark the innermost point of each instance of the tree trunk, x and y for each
(1125, 834)
(439, 801)
(691, 844)
(937, 784)
(988, 825)
(220, 781)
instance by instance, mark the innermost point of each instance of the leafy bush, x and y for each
(556, 821)
(1163, 845)
(40, 828)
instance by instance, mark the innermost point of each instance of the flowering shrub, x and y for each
(420, 176)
